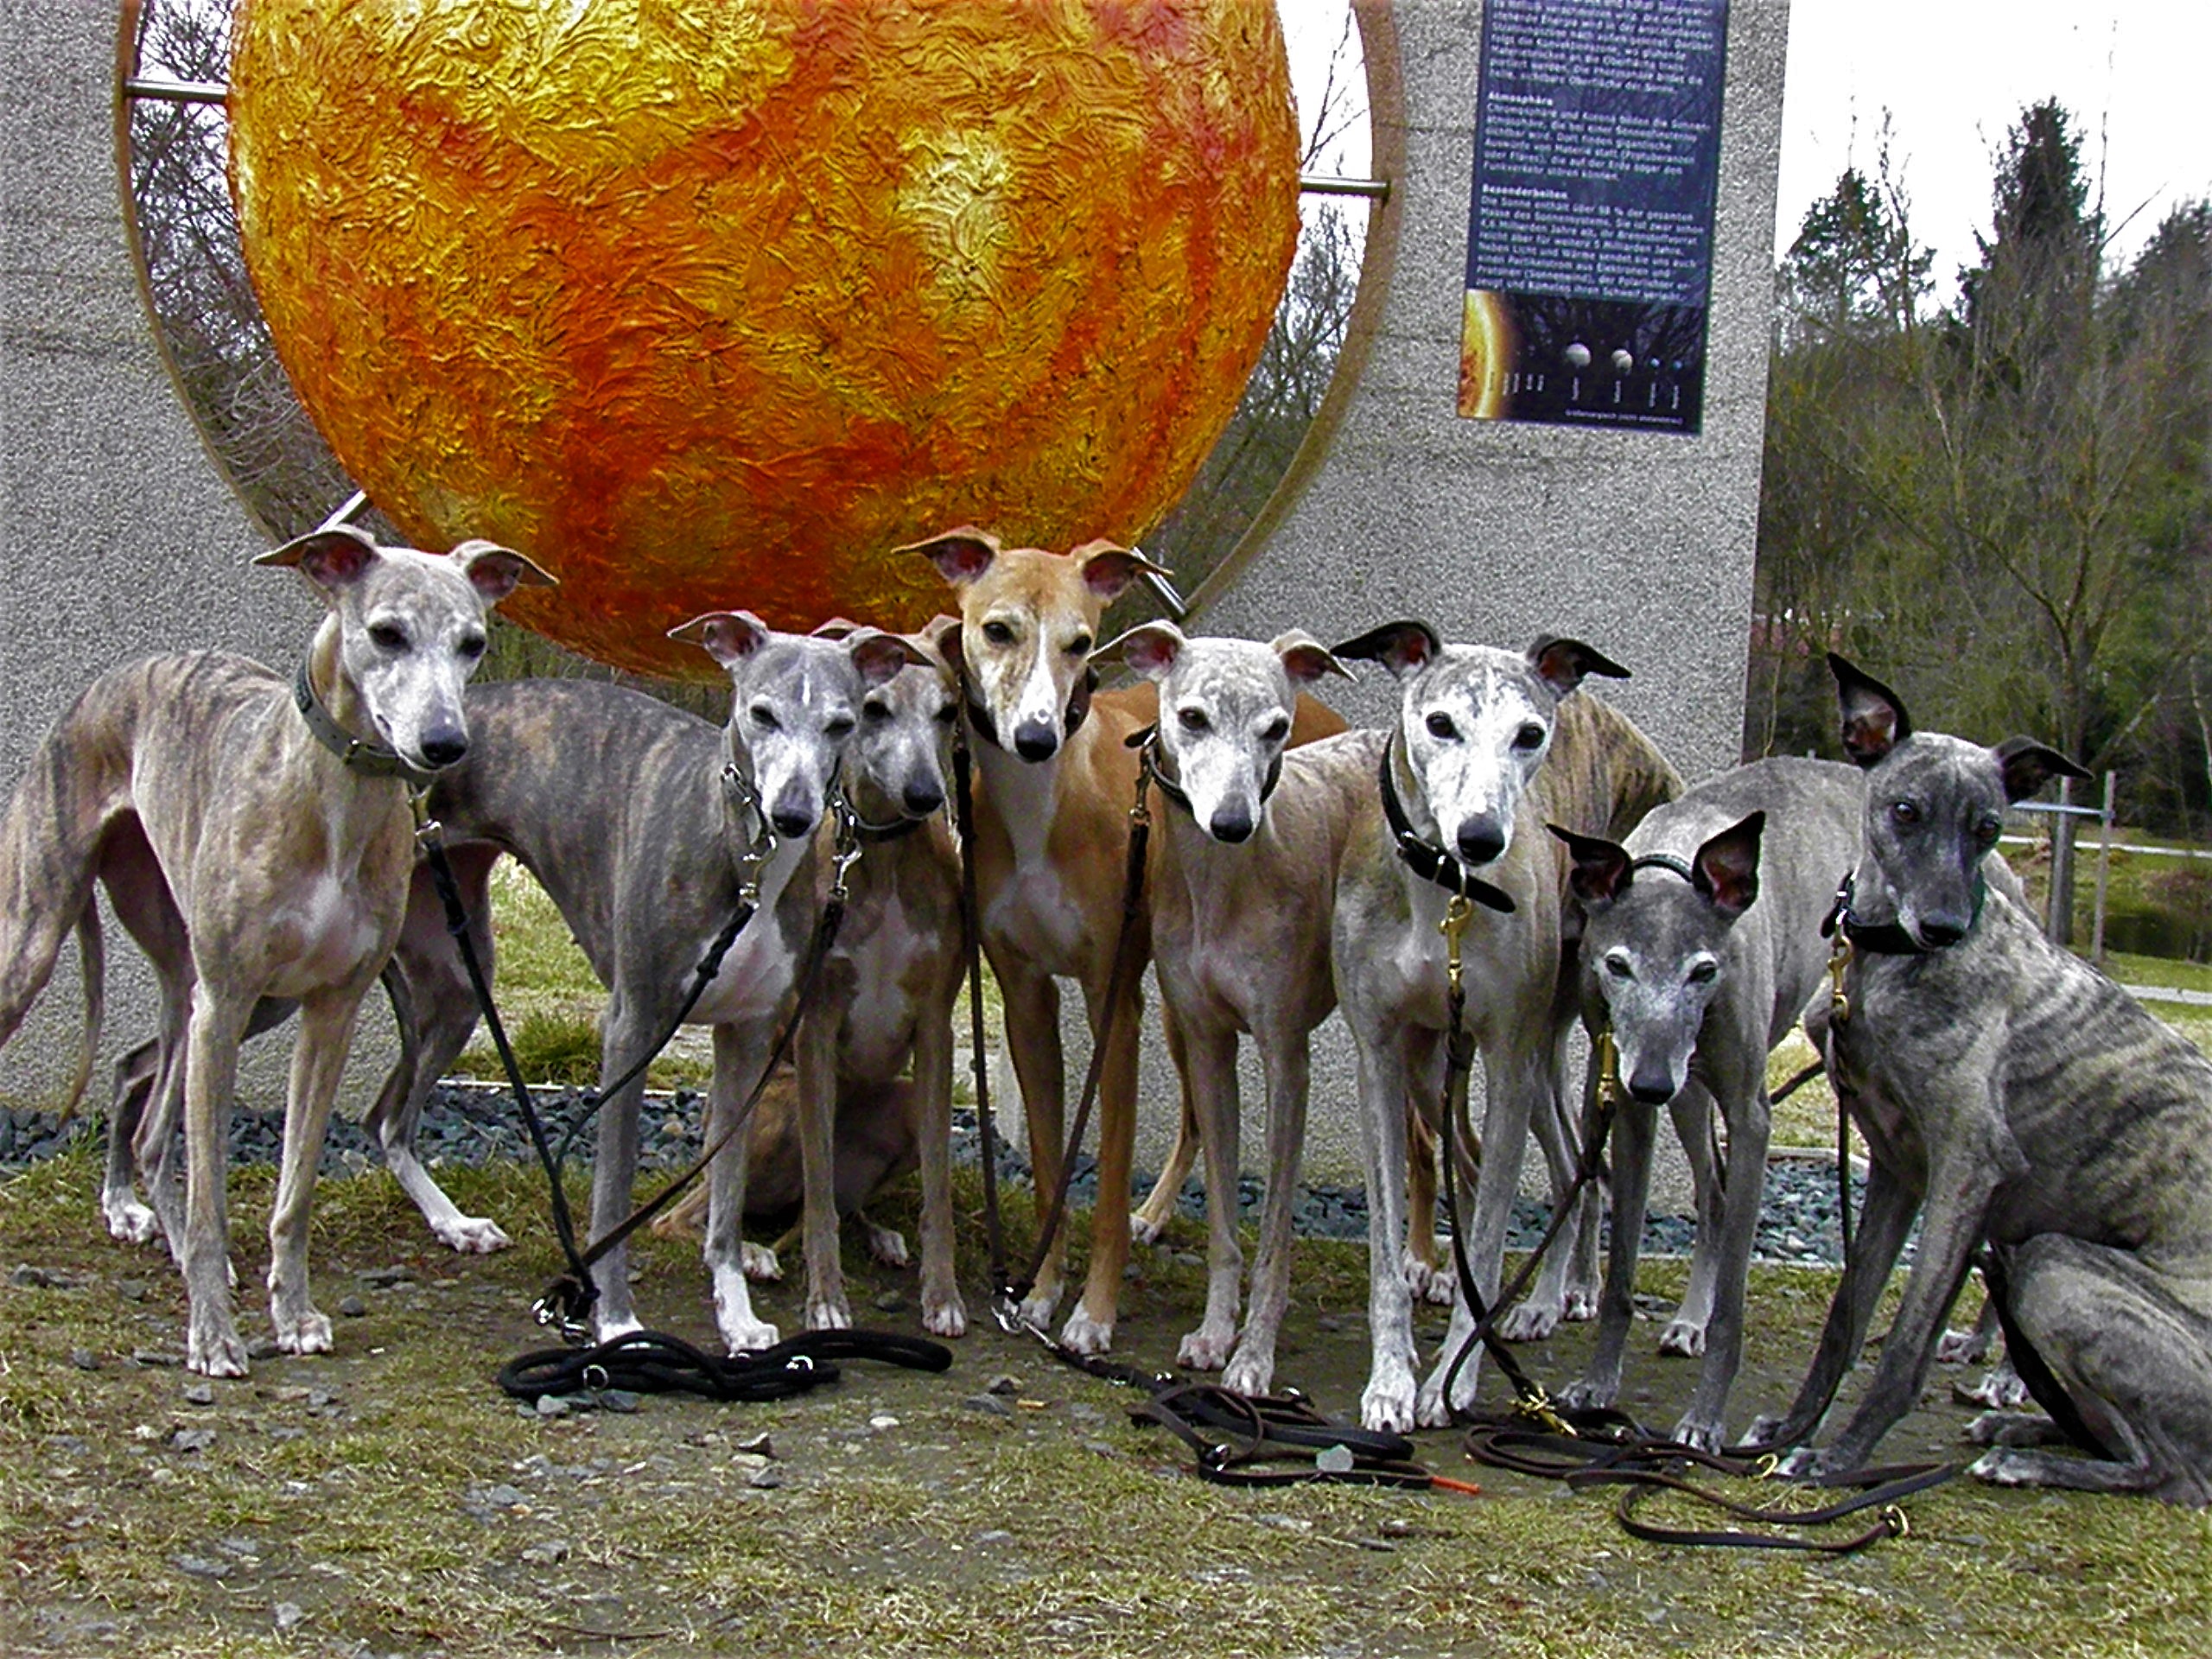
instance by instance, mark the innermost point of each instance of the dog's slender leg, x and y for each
(1538, 1313)
(155, 1145)
(1090, 1328)
(2135, 1361)
(1692, 1111)
(1635, 1128)
(625, 1030)
(1287, 1065)
(1150, 1219)
(318, 1063)
(826, 1308)
(212, 1347)
(742, 1331)
(944, 1314)
(1703, 1424)
(1388, 1402)
(136, 1074)
(435, 1008)
(1579, 1275)
(1209, 1058)
(1033, 1037)
(1426, 1251)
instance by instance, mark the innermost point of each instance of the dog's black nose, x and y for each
(1651, 1089)
(792, 821)
(921, 799)
(1035, 740)
(444, 749)
(1480, 840)
(1231, 823)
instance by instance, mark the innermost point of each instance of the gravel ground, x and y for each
(467, 1124)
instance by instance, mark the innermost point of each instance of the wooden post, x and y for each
(2104, 873)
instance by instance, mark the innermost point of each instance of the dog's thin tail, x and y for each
(49, 840)
(92, 957)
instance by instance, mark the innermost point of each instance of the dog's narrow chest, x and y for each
(757, 971)
(879, 1025)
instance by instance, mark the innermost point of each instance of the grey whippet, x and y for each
(645, 824)
(1701, 945)
(1489, 746)
(2009, 1092)
(1242, 893)
(253, 832)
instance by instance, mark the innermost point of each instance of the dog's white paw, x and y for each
(212, 1345)
(302, 1332)
(472, 1235)
(1388, 1404)
(1800, 1463)
(1206, 1349)
(2001, 1389)
(760, 1263)
(1683, 1337)
(1037, 1307)
(1583, 1394)
(1703, 1432)
(944, 1316)
(830, 1314)
(1430, 1284)
(1249, 1371)
(1578, 1305)
(1528, 1322)
(606, 1329)
(128, 1220)
(2004, 1467)
(1086, 1335)
(1145, 1228)
(884, 1246)
(1956, 1348)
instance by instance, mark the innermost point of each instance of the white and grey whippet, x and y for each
(253, 833)
(2011, 1093)
(1489, 746)
(1701, 945)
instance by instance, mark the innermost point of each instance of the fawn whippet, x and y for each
(253, 833)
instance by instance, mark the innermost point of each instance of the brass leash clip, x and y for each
(1454, 927)
(1839, 956)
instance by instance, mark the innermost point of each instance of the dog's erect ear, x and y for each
(494, 571)
(1403, 647)
(1108, 568)
(333, 558)
(1874, 720)
(1725, 871)
(960, 556)
(1601, 872)
(1150, 648)
(729, 637)
(944, 634)
(882, 656)
(2028, 765)
(1564, 663)
(1305, 659)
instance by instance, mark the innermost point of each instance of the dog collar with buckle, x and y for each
(361, 754)
(1145, 741)
(1882, 938)
(1424, 858)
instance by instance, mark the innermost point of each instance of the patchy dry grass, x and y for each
(357, 1490)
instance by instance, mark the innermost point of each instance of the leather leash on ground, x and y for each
(566, 1303)
(652, 1361)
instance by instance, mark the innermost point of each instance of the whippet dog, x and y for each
(253, 832)
(1489, 746)
(1243, 891)
(1700, 944)
(646, 826)
(2011, 1093)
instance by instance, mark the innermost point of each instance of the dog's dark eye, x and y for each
(1905, 812)
(1441, 725)
(947, 714)
(1705, 973)
(1989, 828)
(1618, 967)
(1275, 730)
(1193, 720)
(1079, 645)
(764, 717)
(388, 636)
(471, 647)
(1529, 737)
(998, 634)
(875, 711)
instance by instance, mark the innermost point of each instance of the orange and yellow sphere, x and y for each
(712, 305)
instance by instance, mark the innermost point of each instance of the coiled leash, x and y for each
(652, 1361)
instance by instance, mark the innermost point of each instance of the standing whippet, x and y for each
(253, 833)
(646, 826)
(1241, 900)
(2011, 1093)
(1489, 746)
(1701, 945)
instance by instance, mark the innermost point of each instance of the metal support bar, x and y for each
(1329, 184)
(356, 504)
(1165, 591)
(2104, 877)
(176, 92)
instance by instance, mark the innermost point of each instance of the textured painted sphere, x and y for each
(711, 305)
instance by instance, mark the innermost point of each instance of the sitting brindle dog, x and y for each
(2028, 1100)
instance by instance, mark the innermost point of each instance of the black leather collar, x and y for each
(1147, 739)
(1663, 862)
(1078, 709)
(876, 834)
(1884, 938)
(364, 755)
(1424, 858)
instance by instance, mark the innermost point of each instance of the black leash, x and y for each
(651, 1362)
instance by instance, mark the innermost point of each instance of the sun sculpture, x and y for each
(713, 304)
